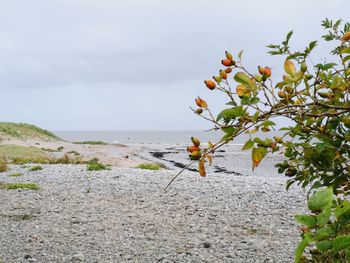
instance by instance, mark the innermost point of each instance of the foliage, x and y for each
(326, 230)
(148, 166)
(30, 186)
(17, 154)
(316, 99)
(15, 174)
(35, 168)
(95, 165)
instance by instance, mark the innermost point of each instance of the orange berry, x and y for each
(196, 155)
(201, 103)
(210, 84)
(228, 70)
(223, 74)
(261, 70)
(192, 148)
(267, 72)
(227, 62)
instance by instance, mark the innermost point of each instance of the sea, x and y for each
(154, 137)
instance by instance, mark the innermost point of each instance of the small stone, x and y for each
(206, 244)
(78, 257)
(27, 256)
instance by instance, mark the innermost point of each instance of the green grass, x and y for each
(94, 165)
(15, 174)
(20, 154)
(148, 166)
(13, 186)
(92, 142)
(35, 168)
(27, 154)
(24, 130)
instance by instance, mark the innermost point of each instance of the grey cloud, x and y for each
(85, 49)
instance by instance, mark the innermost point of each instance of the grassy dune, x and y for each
(24, 131)
(23, 154)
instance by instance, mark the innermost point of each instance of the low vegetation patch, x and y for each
(22, 217)
(148, 166)
(95, 165)
(12, 186)
(35, 168)
(20, 154)
(92, 142)
(15, 174)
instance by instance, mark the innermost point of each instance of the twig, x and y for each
(173, 179)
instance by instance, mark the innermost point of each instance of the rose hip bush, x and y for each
(316, 99)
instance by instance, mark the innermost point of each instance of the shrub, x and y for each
(35, 168)
(148, 166)
(95, 165)
(316, 99)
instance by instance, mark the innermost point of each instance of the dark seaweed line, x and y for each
(160, 155)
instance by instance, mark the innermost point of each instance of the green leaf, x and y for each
(312, 45)
(267, 123)
(228, 130)
(300, 250)
(248, 145)
(323, 233)
(245, 100)
(257, 155)
(242, 78)
(320, 199)
(323, 217)
(306, 220)
(342, 210)
(341, 242)
(240, 54)
(323, 245)
(289, 184)
(229, 114)
(345, 50)
(254, 100)
(345, 59)
(255, 117)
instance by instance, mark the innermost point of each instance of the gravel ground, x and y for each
(123, 215)
(229, 159)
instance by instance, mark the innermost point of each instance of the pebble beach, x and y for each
(123, 214)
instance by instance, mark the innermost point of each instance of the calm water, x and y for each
(181, 137)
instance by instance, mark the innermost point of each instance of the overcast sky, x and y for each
(136, 65)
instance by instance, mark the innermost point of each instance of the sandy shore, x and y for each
(123, 215)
